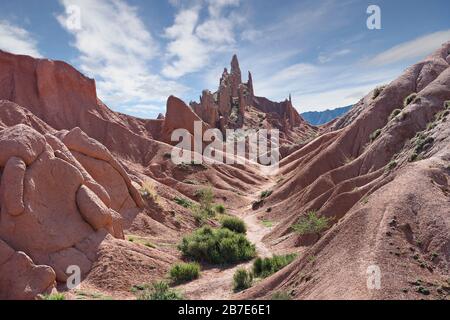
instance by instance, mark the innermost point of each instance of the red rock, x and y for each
(11, 188)
(20, 278)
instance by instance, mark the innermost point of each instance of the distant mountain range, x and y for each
(321, 117)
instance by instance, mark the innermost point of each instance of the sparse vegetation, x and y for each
(140, 240)
(423, 143)
(184, 272)
(242, 279)
(265, 194)
(206, 199)
(267, 223)
(392, 165)
(220, 208)
(234, 224)
(88, 295)
(394, 114)
(375, 135)
(264, 267)
(53, 296)
(183, 202)
(217, 246)
(377, 92)
(281, 295)
(311, 224)
(148, 191)
(410, 99)
(158, 291)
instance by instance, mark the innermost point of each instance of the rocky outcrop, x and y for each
(179, 116)
(20, 278)
(234, 104)
(52, 199)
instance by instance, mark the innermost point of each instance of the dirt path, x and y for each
(217, 283)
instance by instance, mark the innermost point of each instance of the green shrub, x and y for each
(423, 143)
(159, 291)
(242, 279)
(218, 246)
(375, 135)
(53, 296)
(377, 92)
(395, 113)
(183, 202)
(409, 99)
(281, 295)
(266, 194)
(311, 224)
(206, 199)
(184, 272)
(264, 267)
(234, 224)
(392, 165)
(220, 208)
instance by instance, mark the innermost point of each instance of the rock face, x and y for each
(20, 278)
(51, 202)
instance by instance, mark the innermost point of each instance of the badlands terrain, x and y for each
(84, 186)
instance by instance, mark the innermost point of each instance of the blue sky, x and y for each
(141, 51)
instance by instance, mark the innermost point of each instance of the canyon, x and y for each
(82, 185)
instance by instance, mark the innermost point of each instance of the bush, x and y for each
(242, 280)
(184, 272)
(409, 99)
(217, 246)
(220, 208)
(265, 194)
(375, 135)
(53, 296)
(265, 267)
(423, 143)
(206, 198)
(159, 291)
(377, 92)
(281, 295)
(234, 224)
(311, 224)
(183, 202)
(395, 113)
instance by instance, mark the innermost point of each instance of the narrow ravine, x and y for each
(217, 283)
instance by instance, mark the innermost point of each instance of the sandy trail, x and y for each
(217, 283)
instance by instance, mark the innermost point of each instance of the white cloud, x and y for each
(17, 40)
(417, 48)
(316, 87)
(116, 49)
(328, 57)
(192, 41)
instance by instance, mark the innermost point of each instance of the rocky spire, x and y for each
(250, 84)
(235, 65)
(236, 77)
